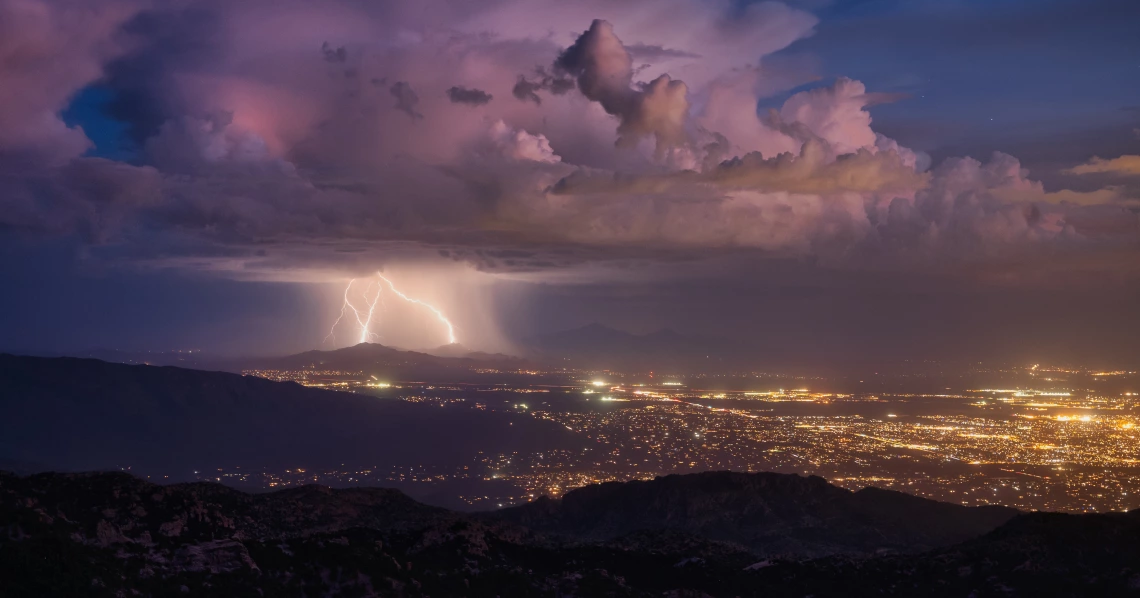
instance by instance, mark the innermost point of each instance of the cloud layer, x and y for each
(283, 136)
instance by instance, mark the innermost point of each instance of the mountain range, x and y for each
(116, 535)
(447, 363)
(705, 534)
(594, 346)
(82, 414)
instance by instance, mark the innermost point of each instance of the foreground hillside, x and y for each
(769, 513)
(115, 535)
(85, 414)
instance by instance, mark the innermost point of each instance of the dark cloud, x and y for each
(657, 52)
(471, 97)
(334, 55)
(607, 192)
(526, 89)
(93, 198)
(406, 99)
(604, 70)
(162, 42)
(255, 156)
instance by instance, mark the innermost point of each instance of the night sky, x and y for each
(944, 179)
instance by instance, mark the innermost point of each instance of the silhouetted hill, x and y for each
(453, 361)
(81, 414)
(184, 359)
(768, 513)
(456, 350)
(358, 357)
(1035, 554)
(113, 534)
(300, 510)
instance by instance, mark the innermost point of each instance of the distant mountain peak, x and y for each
(449, 350)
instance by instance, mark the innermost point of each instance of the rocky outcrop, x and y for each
(215, 556)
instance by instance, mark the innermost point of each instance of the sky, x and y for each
(951, 179)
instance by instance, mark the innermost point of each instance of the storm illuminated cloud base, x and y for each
(519, 136)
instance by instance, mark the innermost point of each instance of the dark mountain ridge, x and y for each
(458, 350)
(451, 363)
(114, 534)
(768, 513)
(83, 414)
(362, 356)
(710, 534)
(370, 357)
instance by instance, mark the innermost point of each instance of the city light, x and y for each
(1077, 451)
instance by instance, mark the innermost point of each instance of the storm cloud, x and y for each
(282, 140)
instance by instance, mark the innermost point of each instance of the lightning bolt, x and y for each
(364, 322)
(438, 314)
(364, 317)
(343, 308)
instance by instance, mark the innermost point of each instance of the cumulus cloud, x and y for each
(520, 145)
(977, 209)
(1124, 165)
(604, 71)
(730, 111)
(281, 132)
(777, 221)
(812, 170)
(834, 113)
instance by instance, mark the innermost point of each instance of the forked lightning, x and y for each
(366, 321)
